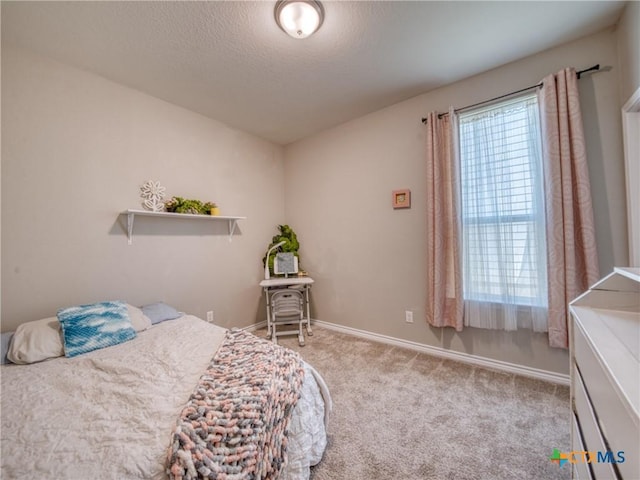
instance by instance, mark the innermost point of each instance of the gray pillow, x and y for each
(160, 312)
(6, 340)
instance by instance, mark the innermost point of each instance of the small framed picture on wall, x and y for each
(402, 198)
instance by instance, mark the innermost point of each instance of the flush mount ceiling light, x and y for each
(299, 18)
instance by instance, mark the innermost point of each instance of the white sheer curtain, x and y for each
(503, 224)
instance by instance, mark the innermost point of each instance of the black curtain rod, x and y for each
(578, 74)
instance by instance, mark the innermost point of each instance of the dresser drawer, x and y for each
(591, 433)
(580, 470)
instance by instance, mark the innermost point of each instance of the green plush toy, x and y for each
(290, 239)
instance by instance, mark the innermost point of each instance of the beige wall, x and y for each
(76, 149)
(629, 50)
(369, 260)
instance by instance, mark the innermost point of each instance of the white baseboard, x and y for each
(256, 326)
(562, 379)
(554, 377)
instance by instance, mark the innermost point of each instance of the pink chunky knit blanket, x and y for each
(235, 425)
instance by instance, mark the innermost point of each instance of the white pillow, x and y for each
(42, 339)
(36, 341)
(139, 320)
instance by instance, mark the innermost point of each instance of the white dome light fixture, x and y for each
(299, 18)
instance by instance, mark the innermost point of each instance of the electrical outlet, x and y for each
(408, 316)
(210, 316)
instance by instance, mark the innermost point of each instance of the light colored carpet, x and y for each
(401, 414)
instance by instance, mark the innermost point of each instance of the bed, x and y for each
(113, 412)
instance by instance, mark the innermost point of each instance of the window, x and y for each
(502, 206)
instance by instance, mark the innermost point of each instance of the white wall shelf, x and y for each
(232, 222)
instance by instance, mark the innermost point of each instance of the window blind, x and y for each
(502, 207)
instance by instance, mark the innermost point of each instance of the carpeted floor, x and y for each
(401, 414)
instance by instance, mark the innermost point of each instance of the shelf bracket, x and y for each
(232, 227)
(130, 228)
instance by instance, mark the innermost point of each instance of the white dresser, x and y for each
(605, 378)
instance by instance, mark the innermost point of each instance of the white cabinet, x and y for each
(605, 378)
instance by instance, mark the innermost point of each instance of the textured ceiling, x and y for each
(229, 61)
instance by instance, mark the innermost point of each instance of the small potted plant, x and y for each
(212, 208)
(194, 207)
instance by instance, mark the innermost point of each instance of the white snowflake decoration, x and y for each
(152, 194)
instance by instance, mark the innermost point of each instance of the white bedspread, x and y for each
(110, 413)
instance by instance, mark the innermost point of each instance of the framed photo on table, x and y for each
(285, 263)
(401, 198)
